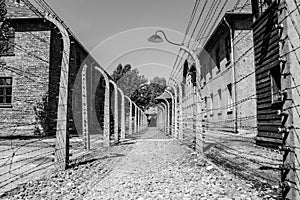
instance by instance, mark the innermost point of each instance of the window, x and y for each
(211, 104)
(275, 85)
(228, 50)
(193, 73)
(230, 99)
(219, 101)
(183, 88)
(7, 41)
(205, 106)
(5, 91)
(218, 59)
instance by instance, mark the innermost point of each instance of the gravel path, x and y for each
(148, 166)
(158, 167)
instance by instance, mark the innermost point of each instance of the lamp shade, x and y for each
(155, 39)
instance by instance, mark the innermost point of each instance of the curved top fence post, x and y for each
(116, 125)
(129, 116)
(106, 119)
(62, 140)
(122, 114)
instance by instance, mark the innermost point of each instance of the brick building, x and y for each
(276, 32)
(31, 57)
(227, 75)
(272, 58)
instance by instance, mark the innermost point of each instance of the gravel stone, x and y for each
(149, 166)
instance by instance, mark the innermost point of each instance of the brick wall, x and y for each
(29, 68)
(245, 80)
(237, 72)
(36, 74)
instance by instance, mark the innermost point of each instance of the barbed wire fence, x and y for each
(276, 169)
(24, 155)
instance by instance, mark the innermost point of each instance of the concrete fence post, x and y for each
(164, 116)
(84, 108)
(180, 115)
(178, 104)
(172, 117)
(129, 116)
(116, 112)
(167, 116)
(106, 118)
(62, 135)
(160, 117)
(135, 118)
(138, 119)
(175, 112)
(122, 114)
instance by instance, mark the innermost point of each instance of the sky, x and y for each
(116, 31)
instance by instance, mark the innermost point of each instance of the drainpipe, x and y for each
(234, 75)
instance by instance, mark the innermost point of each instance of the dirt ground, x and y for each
(239, 155)
(150, 165)
(26, 158)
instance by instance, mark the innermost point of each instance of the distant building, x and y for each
(228, 75)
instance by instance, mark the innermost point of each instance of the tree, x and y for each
(117, 73)
(145, 96)
(136, 86)
(120, 71)
(159, 80)
(128, 79)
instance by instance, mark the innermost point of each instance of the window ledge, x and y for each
(8, 54)
(220, 113)
(5, 106)
(211, 114)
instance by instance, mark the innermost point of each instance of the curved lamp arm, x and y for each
(163, 33)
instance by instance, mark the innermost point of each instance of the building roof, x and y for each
(234, 20)
(23, 9)
(17, 9)
(164, 95)
(242, 7)
(151, 111)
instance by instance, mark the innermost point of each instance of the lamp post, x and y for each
(199, 130)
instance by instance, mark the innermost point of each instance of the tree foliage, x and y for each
(137, 87)
(159, 80)
(128, 79)
(120, 71)
(145, 95)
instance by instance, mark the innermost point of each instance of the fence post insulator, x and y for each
(279, 26)
(283, 130)
(282, 113)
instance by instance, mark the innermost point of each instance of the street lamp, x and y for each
(157, 39)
